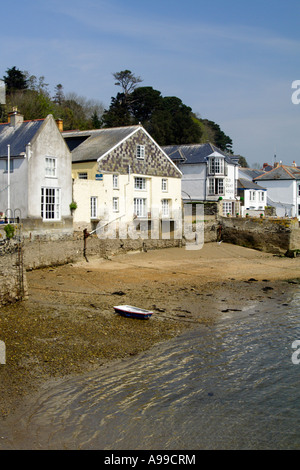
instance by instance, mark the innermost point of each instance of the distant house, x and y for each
(37, 185)
(121, 174)
(209, 174)
(253, 197)
(283, 185)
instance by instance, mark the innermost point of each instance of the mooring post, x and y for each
(85, 236)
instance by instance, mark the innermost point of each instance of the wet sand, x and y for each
(68, 325)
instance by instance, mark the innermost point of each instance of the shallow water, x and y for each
(232, 385)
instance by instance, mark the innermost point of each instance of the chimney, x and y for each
(60, 124)
(276, 165)
(294, 164)
(15, 118)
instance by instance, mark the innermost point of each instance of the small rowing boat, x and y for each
(133, 312)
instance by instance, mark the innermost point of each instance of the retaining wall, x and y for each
(265, 234)
(13, 285)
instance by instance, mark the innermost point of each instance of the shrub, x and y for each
(9, 230)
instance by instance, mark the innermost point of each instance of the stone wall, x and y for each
(265, 234)
(13, 285)
(43, 253)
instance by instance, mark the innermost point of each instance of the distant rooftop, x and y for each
(281, 172)
(194, 153)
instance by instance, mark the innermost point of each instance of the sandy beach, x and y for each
(68, 325)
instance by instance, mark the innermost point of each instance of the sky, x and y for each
(232, 61)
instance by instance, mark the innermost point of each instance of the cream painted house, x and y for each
(123, 183)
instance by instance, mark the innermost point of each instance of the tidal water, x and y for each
(231, 385)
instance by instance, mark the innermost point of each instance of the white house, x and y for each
(121, 177)
(209, 174)
(35, 175)
(283, 185)
(253, 196)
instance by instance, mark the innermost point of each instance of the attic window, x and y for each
(216, 166)
(140, 152)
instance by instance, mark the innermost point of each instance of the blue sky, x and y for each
(231, 61)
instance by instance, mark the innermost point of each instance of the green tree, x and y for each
(118, 113)
(243, 162)
(59, 97)
(96, 123)
(15, 80)
(127, 81)
(217, 136)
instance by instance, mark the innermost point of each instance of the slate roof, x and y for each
(193, 154)
(90, 145)
(281, 172)
(249, 173)
(17, 137)
(243, 183)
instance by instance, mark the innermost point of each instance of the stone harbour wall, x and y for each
(271, 235)
(13, 284)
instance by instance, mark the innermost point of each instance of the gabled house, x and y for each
(253, 197)
(283, 185)
(121, 174)
(35, 175)
(209, 174)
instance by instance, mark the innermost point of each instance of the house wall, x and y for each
(91, 168)
(255, 205)
(195, 182)
(283, 193)
(103, 190)
(18, 187)
(48, 142)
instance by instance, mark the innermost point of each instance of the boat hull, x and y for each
(133, 312)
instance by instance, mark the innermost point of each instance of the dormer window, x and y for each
(216, 166)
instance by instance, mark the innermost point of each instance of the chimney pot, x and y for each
(14, 117)
(60, 124)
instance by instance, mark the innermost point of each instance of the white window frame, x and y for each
(115, 181)
(94, 207)
(140, 183)
(227, 208)
(216, 166)
(215, 186)
(165, 207)
(115, 204)
(82, 175)
(50, 203)
(140, 206)
(51, 167)
(164, 185)
(140, 152)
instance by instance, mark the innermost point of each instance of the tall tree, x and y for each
(127, 81)
(15, 80)
(59, 97)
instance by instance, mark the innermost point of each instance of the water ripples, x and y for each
(227, 386)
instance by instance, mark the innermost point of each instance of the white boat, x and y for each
(133, 312)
